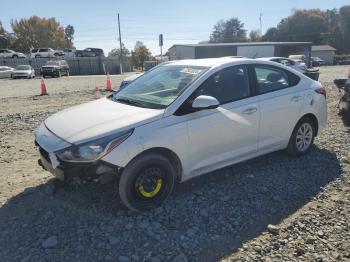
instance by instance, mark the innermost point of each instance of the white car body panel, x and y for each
(205, 140)
(5, 71)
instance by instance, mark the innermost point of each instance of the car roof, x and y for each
(208, 62)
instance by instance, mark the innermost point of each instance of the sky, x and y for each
(180, 21)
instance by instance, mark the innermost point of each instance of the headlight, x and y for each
(93, 150)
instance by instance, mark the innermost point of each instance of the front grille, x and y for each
(44, 154)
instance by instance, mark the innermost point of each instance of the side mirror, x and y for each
(205, 102)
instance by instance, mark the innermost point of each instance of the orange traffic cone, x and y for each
(43, 87)
(109, 84)
(97, 93)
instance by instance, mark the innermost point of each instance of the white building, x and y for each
(325, 52)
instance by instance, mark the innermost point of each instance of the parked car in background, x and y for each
(128, 80)
(59, 53)
(297, 65)
(6, 71)
(55, 68)
(316, 61)
(69, 52)
(183, 119)
(342, 60)
(299, 58)
(89, 52)
(8, 53)
(42, 52)
(23, 71)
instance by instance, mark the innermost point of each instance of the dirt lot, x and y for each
(220, 216)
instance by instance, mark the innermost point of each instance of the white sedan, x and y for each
(181, 120)
(6, 71)
(23, 71)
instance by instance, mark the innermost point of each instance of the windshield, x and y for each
(160, 87)
(56, 63)
(23, 67)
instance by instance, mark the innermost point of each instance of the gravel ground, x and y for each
(272, 208)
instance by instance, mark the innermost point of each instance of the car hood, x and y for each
(98, 118)
(22, 71)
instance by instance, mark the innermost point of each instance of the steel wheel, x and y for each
(146, 182)
(304, 137)
(149, 183)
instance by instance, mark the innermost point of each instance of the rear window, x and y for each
(269, 79)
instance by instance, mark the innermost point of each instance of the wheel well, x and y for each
(170, 155)
(314, 120)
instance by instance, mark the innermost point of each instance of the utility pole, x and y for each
(120, 48)
(260, 20)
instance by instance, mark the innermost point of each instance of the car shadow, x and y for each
(207, 218)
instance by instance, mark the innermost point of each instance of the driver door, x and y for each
(227, 134)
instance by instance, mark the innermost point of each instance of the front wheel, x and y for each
(302, 137)
(146, 182)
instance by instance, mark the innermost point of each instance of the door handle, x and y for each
(250, 111)
(295, 98)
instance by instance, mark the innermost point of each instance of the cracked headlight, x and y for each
(93, 150)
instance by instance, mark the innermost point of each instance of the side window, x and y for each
(270, 79)
(43, 50)
(34, 50)
(227, 85)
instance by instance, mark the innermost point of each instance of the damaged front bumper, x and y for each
(48, 143)
(68, 171)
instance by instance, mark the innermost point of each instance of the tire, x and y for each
(137, 192)
(59, 74)
(302, 137)
(15, 56)
(37, 56)
(67, 73)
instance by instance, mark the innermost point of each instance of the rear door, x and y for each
(280, 99)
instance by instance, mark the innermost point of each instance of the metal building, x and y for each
(250, 50)
(325, 52)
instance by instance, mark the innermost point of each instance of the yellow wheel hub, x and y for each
(153, 192)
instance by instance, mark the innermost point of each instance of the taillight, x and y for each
(321, 91)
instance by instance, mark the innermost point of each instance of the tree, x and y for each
(5, 37)
(303, 25)
(116, 52)
(39, 32)
(228, 31)
(254, 36)
(271, 34)
(344, 21)
(141, 54)
(69, 33)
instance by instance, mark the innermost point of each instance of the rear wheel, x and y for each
(302, 137)
(15, 56)
(146, 182)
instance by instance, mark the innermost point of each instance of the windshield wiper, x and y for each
(129, 102)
